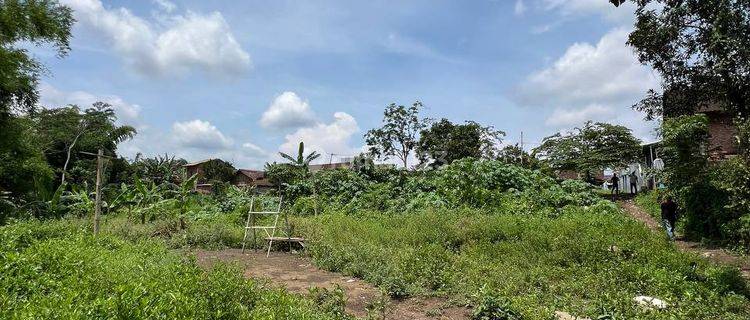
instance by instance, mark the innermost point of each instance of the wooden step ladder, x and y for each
(269, 230)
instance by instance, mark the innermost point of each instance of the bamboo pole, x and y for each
(98, 201)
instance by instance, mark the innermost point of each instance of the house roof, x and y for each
(252, 174)
(196, 163)
(334, 165)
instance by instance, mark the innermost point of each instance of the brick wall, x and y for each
(721, 128)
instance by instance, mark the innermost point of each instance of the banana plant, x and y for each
(125, 198)
(182, 195)
(145, 197)
(79, 200)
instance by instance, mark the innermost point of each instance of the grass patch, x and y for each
(586, 261)
(56, 270)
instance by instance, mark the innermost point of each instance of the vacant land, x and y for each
(588, 262)
(585, 260)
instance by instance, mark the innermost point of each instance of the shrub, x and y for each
(493, 307)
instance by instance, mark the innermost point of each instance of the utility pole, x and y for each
(98, 205)
(522, 150)
(98, 198)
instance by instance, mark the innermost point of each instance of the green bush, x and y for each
(62, 272)
(464, 183)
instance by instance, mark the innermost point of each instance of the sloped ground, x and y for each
(715, 254)
(298, 274)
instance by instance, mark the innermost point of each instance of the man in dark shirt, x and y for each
(615, 184)
(669, 216)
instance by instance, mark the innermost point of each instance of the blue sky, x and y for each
(244, 80)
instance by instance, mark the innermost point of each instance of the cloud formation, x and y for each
(286, 111)
(591, 82)
(325, 138)
(51, 97)
(176, 45)
(199, 134)
(570, 117)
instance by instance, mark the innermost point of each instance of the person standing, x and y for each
(633, 178)
(669, 216)
(615, 184)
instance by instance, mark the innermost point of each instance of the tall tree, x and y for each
(701, 49)
(31, 21)
(444, 142)
(22, 164)
(398, 135)
(63, 132)
(593, 147)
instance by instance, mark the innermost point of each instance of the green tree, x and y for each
(398, 135)
(284, 173)
(22, 166)
(301, 160)
(701, 49)
(159, 169)
(64, 132)
(445, 142)
(35, 22)
(218, 170)
(594, 147)
(684, 143)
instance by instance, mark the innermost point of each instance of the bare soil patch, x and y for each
(715, 254)
(298, 275)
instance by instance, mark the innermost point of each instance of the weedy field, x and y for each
(588, 262)
(58, 270)
(506, 242)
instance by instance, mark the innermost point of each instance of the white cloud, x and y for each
(51, 97)
(180, 44)
(621, 14)
(605, 73)
(199, 134)
(195, 140)
(519, 8)
(592, 82)
(325, 138)
(288, 111)
(573, 117)
(251, 150)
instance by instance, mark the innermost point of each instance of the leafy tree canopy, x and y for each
(398, 135)
(218, 170)
(64, 132)
(593, 147)
(37, 22)
(701, 49)
(444, 142)
(22, 164)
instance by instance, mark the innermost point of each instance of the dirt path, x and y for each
(298, 274)
(715, 254)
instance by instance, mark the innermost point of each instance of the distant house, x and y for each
(196, 168)
(256, 178)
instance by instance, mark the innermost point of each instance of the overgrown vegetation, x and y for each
(713, 195)
(589, 262)
(58, 270)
